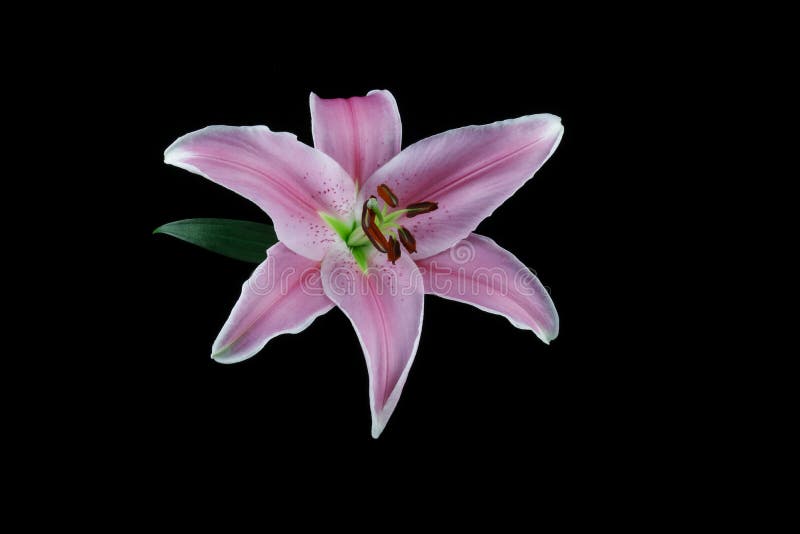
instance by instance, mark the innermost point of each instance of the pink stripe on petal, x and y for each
(361, 133)
(283, 296)
(385, 307)
(290, 181)
(469, 172)
(480, 272)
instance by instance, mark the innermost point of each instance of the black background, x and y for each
(623, 403)
(625, 412)
(480, 390)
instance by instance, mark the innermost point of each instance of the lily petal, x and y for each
(283, 296)
(469, 172)
(385, 306)
(361, 133)
(480, 272)
(290, 181)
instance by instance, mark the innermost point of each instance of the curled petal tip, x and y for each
(556, 124)
(169, 153)
(379, 421)
(376, 431)
(554, 119)
(221, 355)
(548, 335)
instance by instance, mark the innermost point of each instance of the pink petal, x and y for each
(361, 133)
(385, 307)
(283, 296)
(480, 272)
(469, 172)
(290, 181)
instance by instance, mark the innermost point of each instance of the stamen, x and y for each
(374, 221)
(419, 208)
(377, 238)
(372, 203)
(367, 216)
(387, 195)
(394, 249)
(407, 240)
(371, 230)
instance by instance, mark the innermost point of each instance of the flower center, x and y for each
(378, 222)
(379, 228)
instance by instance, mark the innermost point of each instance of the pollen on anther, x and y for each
(407, 239)
(419, 208)
(393, 249)
(387, 195)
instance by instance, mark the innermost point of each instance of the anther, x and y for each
(394, 249)
(421, 207)
(365, 214)
(371, 230)
(370, 210)
(407, 240)
(373, 219)
(387, 195)
(377, 239)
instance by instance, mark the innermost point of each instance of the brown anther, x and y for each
(371, 230)
(387, 195)
(407, 240)
(366, 213)
(394, 249)
(377, 239)
(421, 207)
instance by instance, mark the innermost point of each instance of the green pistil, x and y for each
(353, 235)
(360, 255)
(389, 219)
(357, 238)
(342, 228)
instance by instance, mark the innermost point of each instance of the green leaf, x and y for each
(240, 240)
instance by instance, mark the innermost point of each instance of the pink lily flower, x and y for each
(342, 210)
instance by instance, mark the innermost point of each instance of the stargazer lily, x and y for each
(360, 222)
